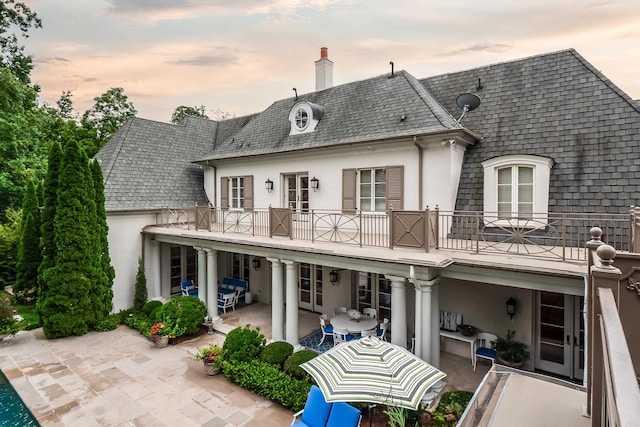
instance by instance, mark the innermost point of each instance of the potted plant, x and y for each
(211, 357)
(510, 352)
(159, 335)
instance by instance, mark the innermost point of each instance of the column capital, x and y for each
(288, 263)
(210, 251)
(273, 260)
(395, 279)
(199, 248)
(426, 285)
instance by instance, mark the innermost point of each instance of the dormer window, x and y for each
(304, 117)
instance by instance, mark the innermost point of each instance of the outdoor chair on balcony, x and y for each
(327, 330)
(371, 312)
(188, 288)
(341, 335)
(382, 330)
(227, 301)
(484, 348)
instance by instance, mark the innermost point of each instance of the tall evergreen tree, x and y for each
(66, 305)
(104, 294)
(29, 248)
(140, 290)
(47, 241)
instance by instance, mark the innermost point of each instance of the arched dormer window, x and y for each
(304, 117)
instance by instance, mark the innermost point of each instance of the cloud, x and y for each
(219, 58)
(51, 60)
(479, 47)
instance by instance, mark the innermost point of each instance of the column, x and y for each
(427, 321)
(292, 304)
(202, 274)
(435, 323)
(212, 284)
(156, 254)
(398, 310)
(277, 300)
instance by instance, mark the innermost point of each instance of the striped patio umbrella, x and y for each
(374, 371)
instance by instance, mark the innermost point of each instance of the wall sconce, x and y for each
(315, 184)
(511, 307)
(268, 185)
(333, 277)
(256, 263)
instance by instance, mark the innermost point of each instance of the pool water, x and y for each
(13, 411)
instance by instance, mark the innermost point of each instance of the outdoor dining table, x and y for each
(343, 321)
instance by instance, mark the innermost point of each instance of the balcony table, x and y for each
(343, 321)
(459, 337)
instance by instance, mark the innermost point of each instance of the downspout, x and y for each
(418, 315)
(415, 142)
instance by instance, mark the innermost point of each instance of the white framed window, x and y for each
(373, 190)
(304, 116)
(516, 187)
(236, 192)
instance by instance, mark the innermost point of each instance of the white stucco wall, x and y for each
(125, 247)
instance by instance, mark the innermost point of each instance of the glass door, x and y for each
(297, 195)
(310, 287)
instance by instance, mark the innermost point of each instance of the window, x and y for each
(304, 116)
(301, 119)
(373, 190)
(516, 187)
(237, 192)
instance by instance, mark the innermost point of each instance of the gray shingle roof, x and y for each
(361, 111)
(554, 105)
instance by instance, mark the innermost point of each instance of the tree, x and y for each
(29, 248)
(12, 55)
(66, 302)
(104, 294)
(65, 106)
(9, 241)
(183, 111)
(140, 291)
(110, 111)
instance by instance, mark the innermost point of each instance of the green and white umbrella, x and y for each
(374, 371)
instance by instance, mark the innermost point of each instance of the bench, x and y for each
(238, 285)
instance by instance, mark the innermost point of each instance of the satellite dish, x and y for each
(467, 102)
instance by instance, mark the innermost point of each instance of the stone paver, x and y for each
(119, 378)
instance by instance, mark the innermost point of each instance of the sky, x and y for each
(240, 56)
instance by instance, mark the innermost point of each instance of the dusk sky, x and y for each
(239, 56)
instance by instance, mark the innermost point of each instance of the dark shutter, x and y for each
(224, 192)
(349, 191)
(248, 191)
(395, 187)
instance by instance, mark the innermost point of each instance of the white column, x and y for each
(212, 284)
(202, 274)
(398, 310)
(156, 254)
(277, 300)
(435, 323)
(427, 322)
(292, 304)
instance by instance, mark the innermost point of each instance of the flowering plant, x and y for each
(158, 330)
(211, 354)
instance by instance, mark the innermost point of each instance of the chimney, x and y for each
(324, 71)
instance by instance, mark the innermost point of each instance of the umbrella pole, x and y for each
(371, 405)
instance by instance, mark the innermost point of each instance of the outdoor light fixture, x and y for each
(268, 184)
(315, 184)
(511, 307)
(256, 263)
(333, 277)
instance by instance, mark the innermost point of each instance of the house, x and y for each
(385, 193)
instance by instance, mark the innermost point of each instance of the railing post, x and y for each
(437, 232)
(390, 219)
(427, 227)
(476, 230)
(313, 226)
(290, 221)
(564, 233)
(269, 222)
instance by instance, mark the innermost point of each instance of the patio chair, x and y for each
(369, 333)
(327, 330)
(344, 415)
(315, 412)
(484, 348)
(227, 301)
(382, 330)
(340, 310)
(371, 312)
(341, 335)
(188, 288)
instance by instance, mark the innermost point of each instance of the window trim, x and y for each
(239, 198)
(541, 177)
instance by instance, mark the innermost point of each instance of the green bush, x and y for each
(451, 407)
(139, 322)
(277, 353)
(269, 382)
(292, 364)
(149, 307)
(108, 323)
(182, 315)
(243, 344)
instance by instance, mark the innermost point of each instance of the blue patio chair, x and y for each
(344, 415)
(327, 330)
(484, 344)
(316, 410)
(188, 288)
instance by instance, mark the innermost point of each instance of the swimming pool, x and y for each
(13, 411)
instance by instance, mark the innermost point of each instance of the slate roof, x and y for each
(360, 111)
(147, 164)
(554, 105)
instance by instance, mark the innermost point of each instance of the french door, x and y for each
(374, 291)
(560, 334)
(296, 194)
(310, 287)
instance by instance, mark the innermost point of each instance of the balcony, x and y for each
(555, 236)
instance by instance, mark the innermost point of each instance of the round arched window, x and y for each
(301, 119)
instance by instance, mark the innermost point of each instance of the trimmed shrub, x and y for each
(109, 323)
(269, 382)
(150, 307)
(243, 344)
(181, 315)
(292, 364)
(277, 353)
(140, 322)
